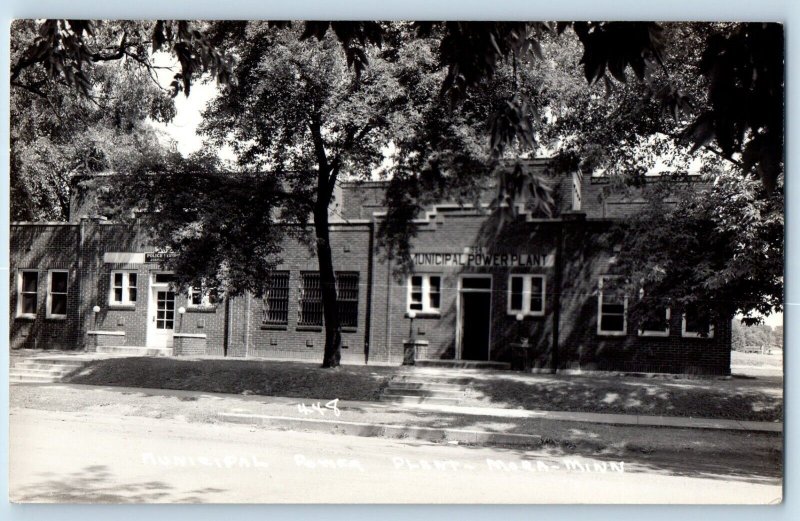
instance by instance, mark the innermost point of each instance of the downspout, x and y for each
(554, 361)
(367, 318)
(247, 325)
(226, 329)
(388, 308)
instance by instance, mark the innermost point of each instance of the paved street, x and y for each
(92, 457)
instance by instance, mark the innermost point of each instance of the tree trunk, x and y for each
(327, 279)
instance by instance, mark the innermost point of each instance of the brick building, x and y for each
(475, 292)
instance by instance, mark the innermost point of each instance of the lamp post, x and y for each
(410, 351)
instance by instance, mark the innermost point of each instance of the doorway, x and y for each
(161, 311)
(475, 316)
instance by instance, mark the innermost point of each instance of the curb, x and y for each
(382, 430)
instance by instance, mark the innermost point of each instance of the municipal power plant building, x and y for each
(531, 287)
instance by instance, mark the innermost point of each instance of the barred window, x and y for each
(276, 300)
(310, 299)
(347, 297)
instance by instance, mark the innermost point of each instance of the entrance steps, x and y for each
(43, 370)
(463, 364)
(424, 388)
(135, 350)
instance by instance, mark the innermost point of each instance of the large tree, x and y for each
(57, 132)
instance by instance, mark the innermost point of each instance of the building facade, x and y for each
(479, 289)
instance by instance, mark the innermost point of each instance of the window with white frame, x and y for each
(424, 293)
(27, 293)
(198, 297)
(123, 288)
(612, 307)
(57, 283)
(657, 321)
(695, 325)
(526, 294)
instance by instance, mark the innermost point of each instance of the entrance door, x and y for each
(161, 322)
(476, 313)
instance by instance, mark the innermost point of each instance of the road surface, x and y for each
(89, 457)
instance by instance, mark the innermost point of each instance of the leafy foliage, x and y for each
(718, 250)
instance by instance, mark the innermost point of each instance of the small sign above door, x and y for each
(158, 256)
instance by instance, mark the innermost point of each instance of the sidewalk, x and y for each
(427, 422)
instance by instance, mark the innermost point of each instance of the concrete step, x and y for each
(463, 364)
(56, 371)
(32, 365)
(437, 378)
(425, 386)
(135, 350)
(450, 393)
(32, 378)
(435, 400)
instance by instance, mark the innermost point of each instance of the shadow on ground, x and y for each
(96, 484)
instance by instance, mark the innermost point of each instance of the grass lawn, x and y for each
(759, 399)
(290, 379)
(773, 360)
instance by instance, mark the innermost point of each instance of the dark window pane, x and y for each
(417, 306)
(474, 283)
(516, 293)
(132, 280)
(416, 283)
(30, 280)
(613, 309)
(612, 323)
(117, 294)
(58, 282)
(29, 303)
(132, 294)
(58, 304)
(434, 298)
(165, 277)
(118, 279)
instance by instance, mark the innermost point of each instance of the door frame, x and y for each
(460, 310)
(152, 288)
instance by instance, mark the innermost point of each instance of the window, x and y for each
(424, 293)
(198, 297)
(57, 293)
(657, 323)
(347, 297)
(123, 288)
(612, 305)
(695, 325)
(310, 299)
(276, 299)
(27, 293)
(526, 294)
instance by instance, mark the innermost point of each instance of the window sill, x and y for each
(122, 307)
(56, 317)
(662, 334)
(709, 336)
(538, 314)
(309, 328)
(275, 327)
(349, 330)
(425, 314)
(26, 317)
(201, 309)
(612, 333)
